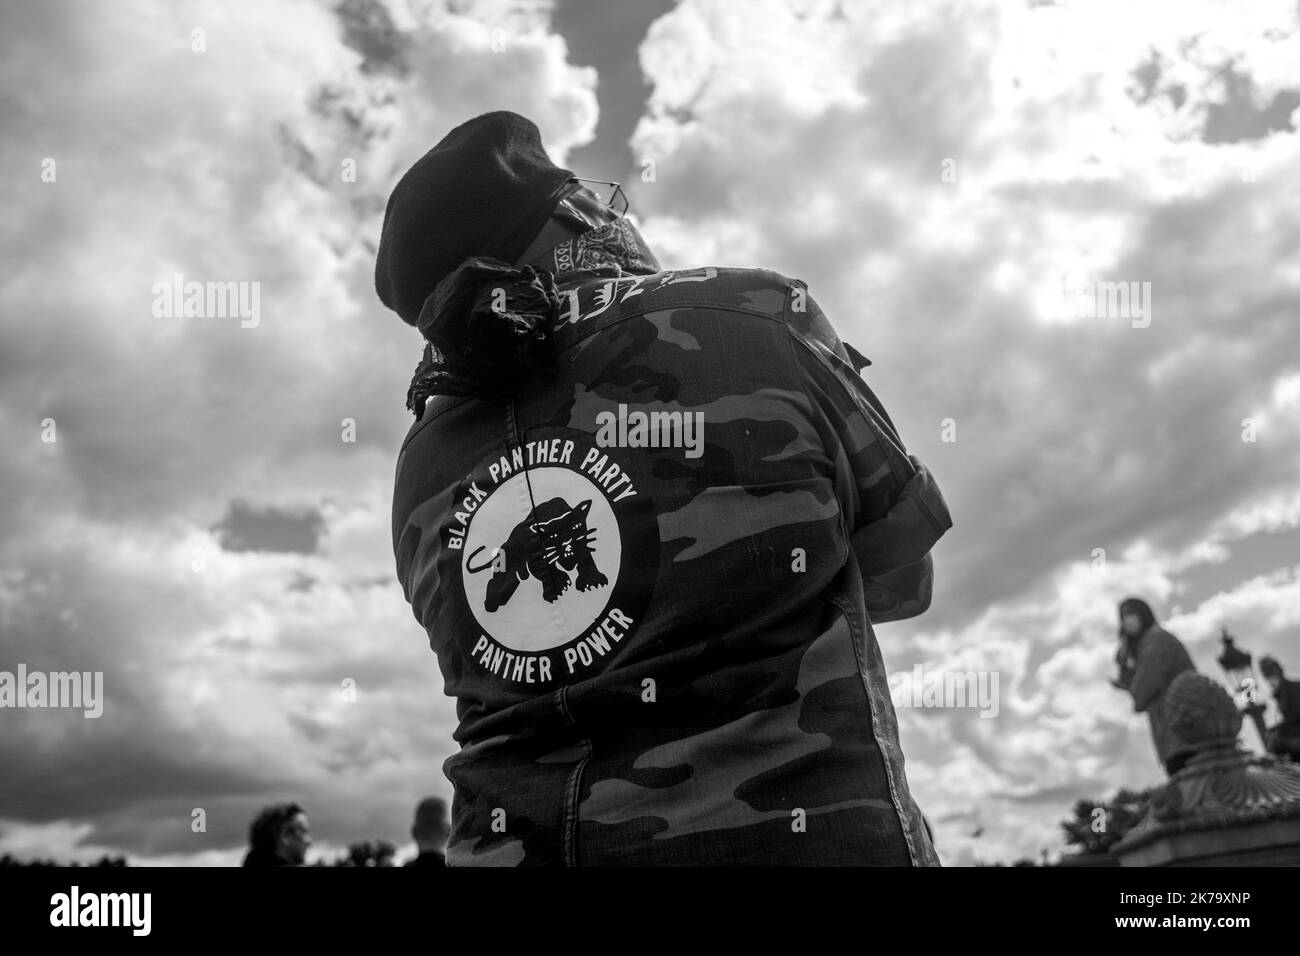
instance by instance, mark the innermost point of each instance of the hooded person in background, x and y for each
(1284, 736)
(1149, 659)
(660, 638)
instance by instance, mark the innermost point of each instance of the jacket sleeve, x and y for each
(898, 510)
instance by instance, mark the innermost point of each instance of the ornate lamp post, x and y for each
(1238, 665)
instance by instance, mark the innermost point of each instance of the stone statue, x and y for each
(1223, 805)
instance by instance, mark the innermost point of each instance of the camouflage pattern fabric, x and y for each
(650, 581)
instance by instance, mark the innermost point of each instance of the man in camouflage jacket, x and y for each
(650, 577)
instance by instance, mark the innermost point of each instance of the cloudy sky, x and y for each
(944, 176)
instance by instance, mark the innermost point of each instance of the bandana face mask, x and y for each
(616, 247)
(604, 238)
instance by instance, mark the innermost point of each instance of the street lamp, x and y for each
(1238, 665)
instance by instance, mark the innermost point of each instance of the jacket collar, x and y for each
(614, 249)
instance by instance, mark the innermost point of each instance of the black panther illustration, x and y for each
(548, 544)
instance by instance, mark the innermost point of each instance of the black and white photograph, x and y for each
(644, 434)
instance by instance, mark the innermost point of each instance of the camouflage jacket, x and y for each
(650, 580)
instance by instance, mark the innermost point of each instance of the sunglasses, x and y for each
(611, 197)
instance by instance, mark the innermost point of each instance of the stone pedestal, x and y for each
(1224, 807)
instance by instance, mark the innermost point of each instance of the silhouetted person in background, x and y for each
(279, 836)
(430, 831)
(1284, 736)
(1149, 659)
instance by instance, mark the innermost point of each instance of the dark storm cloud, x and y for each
(247, 527)
(369, 29)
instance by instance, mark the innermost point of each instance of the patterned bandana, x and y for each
(616, 246)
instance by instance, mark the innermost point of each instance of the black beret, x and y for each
(486, 189)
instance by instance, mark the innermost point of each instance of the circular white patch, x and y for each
(525, 621)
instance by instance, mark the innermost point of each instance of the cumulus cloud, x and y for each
(945, 177)
(201, 504)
